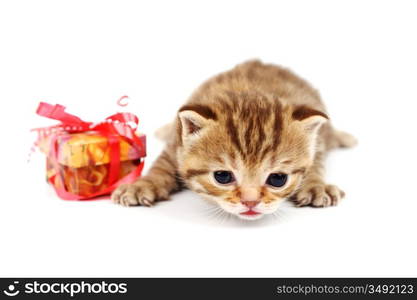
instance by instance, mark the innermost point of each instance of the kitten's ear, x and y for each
(310, 118)
(194, 118)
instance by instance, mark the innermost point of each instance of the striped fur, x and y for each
(254, 120)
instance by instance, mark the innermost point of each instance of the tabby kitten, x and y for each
(247, 139)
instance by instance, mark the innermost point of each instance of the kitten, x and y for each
(247, 139)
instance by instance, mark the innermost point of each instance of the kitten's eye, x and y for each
(277, 179)
(224, 177)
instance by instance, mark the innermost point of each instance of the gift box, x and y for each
(86, 160)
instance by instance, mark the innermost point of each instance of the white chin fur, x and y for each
(237, 211)
(250, 218)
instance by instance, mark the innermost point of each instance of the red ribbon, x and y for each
(120, 124)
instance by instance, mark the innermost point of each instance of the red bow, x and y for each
(120, 124)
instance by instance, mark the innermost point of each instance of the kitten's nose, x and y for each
(249, 197)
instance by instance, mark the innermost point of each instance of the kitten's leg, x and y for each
(314, 191)
(158, 184)
(166, 132)
(345, 140)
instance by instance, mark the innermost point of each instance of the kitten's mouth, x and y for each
(250, 213)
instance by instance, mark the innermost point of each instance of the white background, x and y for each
(86, 54)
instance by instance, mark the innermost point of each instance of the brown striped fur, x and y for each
(253, 120)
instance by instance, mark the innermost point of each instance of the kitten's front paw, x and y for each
(139, 193)
(318, 195)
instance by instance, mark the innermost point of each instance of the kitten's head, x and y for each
(246, 152)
